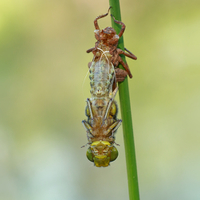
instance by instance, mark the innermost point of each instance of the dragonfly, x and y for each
(101, 109)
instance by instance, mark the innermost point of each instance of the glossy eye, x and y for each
(113, 154)
(89, 155)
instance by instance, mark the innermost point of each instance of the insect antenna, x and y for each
(85, 145)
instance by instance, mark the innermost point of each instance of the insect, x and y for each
(101, 110)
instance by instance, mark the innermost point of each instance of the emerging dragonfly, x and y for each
(101, 110)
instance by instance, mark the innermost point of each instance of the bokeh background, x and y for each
(44, 85)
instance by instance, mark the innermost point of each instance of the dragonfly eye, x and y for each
(89, 155)
(113, 154)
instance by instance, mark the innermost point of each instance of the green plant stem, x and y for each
(126, 115)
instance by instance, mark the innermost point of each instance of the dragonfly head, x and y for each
(109, 32)
(101, 153)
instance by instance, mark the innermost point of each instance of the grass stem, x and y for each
(126, 115)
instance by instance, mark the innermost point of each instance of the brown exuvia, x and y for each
(107, 40)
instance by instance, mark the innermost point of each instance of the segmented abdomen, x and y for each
(101, 77)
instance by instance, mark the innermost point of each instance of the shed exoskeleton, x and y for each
(107, 39)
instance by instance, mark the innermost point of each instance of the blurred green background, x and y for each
(43, 64)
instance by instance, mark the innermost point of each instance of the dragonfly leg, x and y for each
(129, 54)
(90, 50)
(89, 107)
(121, 23)
(125, 65)
(114, 127)
(120, 74)
(101, 16)
(117, 126)
(107, 109)
(88, 128)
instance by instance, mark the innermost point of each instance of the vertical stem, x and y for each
(126, 115)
